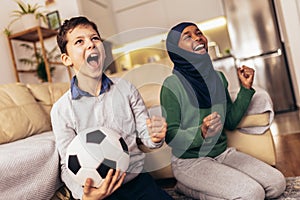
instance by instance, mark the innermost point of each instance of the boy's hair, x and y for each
(70, 25)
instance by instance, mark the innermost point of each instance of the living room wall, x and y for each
(66, 10)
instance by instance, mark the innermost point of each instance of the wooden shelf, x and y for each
(34, 34)
(31, 35)
(27, 71)
(55, 63)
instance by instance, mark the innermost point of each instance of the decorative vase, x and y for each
(29, 21)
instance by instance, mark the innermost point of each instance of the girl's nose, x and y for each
(196, 38)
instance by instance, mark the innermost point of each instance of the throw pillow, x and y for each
(20, 115)
(47, 94)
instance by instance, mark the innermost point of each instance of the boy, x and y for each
(95, 100)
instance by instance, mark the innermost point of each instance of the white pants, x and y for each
(231, 175)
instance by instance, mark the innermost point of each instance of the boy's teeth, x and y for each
(92, 57)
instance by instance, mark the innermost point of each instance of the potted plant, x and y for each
(29, 15)
(7, 31)
(37, 60)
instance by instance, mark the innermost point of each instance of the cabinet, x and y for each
(134, 16)
(192, 10)
(100, 12)
(227, 65)
(132, 20)
(121, 5)
(34, 35)
(140, 21)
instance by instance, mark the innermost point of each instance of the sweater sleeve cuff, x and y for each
(248, 93)
(157, 144)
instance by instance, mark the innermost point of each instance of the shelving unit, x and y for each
(34, 35)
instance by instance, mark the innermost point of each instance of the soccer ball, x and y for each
(93, 152)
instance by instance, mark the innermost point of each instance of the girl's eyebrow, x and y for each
(185, 33)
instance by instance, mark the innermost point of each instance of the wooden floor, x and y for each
(286, 134)
(288, 154)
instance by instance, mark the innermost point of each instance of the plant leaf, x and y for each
(22, 7)
(27, 61)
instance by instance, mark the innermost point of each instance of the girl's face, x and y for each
(86, 53)
(193, 40)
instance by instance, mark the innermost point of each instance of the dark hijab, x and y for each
(195, 71)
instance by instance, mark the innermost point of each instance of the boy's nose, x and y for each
(91, 44)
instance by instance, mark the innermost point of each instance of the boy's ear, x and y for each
(66, 60)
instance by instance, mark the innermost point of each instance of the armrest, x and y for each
(255, 120)
(259, 146)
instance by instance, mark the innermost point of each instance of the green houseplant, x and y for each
(36, 59)
(28, 14)
(28, 9)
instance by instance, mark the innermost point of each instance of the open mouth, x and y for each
(199, 47)
(93, 59)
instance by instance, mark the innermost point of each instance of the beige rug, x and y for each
(292, 192)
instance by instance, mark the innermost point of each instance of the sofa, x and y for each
(29, 162)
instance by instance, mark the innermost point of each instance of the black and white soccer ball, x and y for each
(93, 152)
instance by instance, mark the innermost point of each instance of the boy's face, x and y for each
(86, 53)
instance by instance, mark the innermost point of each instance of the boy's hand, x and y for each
(157, 128)
(246, 76)
(111, 183)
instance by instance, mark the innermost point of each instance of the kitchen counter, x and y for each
(226, 64)
(223, 57)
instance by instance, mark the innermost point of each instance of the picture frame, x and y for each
(53, 19)
(48, 2)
